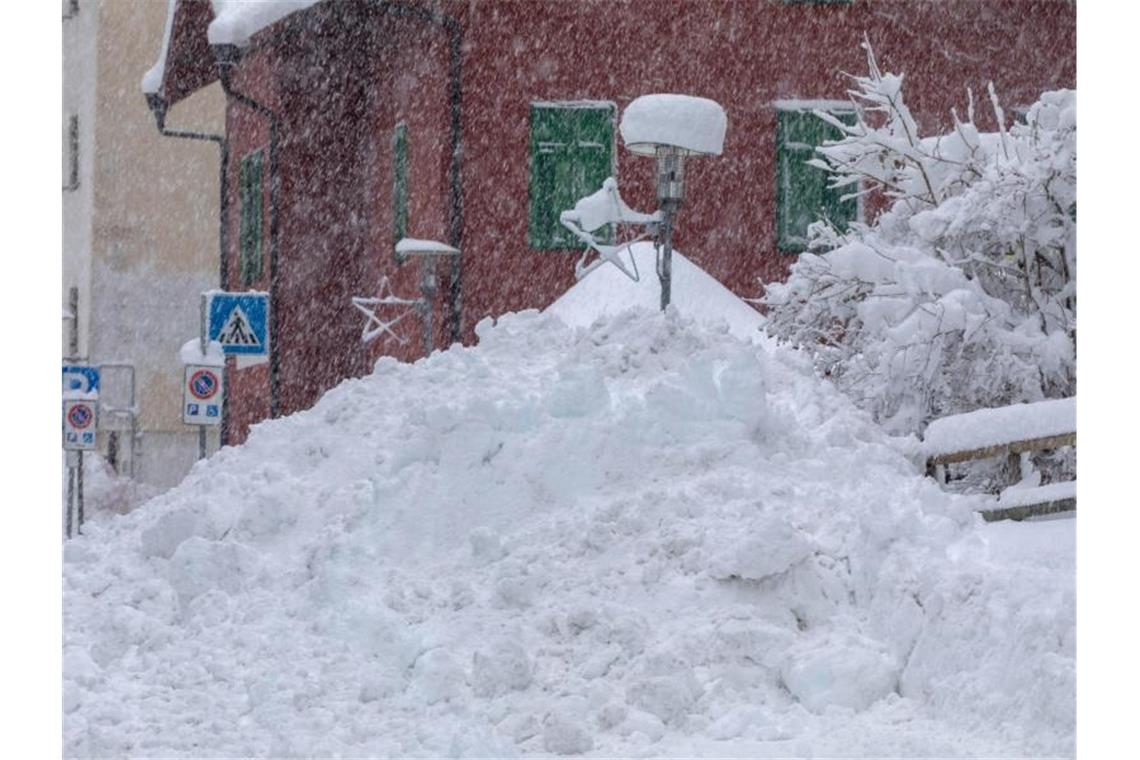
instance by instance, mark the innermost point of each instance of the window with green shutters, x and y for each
(249, 257)
(400, 182)
(802, 192)
(571, 154)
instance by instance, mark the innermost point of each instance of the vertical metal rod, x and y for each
(202, 350)
(79, 494)
(113, 451)
(70, 494)
(666, 272)
(427, 295)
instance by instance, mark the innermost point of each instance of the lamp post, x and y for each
(671, 128)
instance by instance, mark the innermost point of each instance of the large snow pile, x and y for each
(644, 537)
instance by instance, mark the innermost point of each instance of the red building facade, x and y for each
(373, 120)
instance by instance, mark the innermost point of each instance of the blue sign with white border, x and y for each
(240, 322)
(81, 380)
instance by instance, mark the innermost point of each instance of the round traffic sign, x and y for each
(80, 416)
(203, 384)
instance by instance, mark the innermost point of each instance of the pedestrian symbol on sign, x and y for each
(236, 331)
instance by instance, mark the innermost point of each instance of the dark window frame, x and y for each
(251, 198)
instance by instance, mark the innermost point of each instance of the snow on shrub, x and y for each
(962, 293)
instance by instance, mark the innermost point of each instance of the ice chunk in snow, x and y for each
(846, 671)
(771, 547)
(696, 125)
(502, 667)
(438, 677)
(563, 734)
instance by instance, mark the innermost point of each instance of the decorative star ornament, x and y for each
(386, 300)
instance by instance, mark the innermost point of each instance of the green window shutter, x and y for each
(571, 154)
(802, 194)
(249, 258)
(400, 182)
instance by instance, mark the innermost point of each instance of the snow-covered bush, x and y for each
(962, 293)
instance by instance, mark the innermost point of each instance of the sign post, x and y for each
(203, 381)
(80, 410)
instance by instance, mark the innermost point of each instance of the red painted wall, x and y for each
(342, 75)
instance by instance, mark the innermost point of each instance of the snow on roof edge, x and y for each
(235, 21)
(152, 79)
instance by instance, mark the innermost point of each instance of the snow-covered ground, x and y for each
(641, 537)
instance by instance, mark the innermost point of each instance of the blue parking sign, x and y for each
(240, 322)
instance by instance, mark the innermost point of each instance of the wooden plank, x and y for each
(1030, 510)
(1004, 449)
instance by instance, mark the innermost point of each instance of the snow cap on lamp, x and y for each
(695, 126)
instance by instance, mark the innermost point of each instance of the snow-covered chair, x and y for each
(597, 210)
(1009, 432)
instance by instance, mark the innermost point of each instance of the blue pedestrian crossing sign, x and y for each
(80, 381)
(240, 322)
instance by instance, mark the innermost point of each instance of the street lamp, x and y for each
(672, 128)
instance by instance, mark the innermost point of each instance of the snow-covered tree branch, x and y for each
(961, 294)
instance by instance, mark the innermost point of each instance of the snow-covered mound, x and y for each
(641, 537)
(606, 292)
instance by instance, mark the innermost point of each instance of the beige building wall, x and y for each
(151, 231)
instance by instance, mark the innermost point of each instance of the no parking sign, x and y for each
(79, 425)
(202, 393)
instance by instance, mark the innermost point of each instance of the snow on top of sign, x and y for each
(646, 536)
(191, 353)
(412, 245)
(235, 21)
(696, 294)
(989, 427)
(694, 124)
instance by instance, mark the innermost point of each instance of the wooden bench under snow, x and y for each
(1008, 431)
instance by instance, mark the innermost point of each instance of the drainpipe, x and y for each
(227, 58)
(158, 106)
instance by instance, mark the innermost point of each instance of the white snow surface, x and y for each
(989, 427)
(695, 124)
(191, 353)
(1019, 497)
(640, 537)
(414, 245)
(236, 21)
(696, 294)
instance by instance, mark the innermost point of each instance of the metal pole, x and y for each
(202, 350)
(70, 492)
(665, 274)
(427, 290)
(79, 493)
